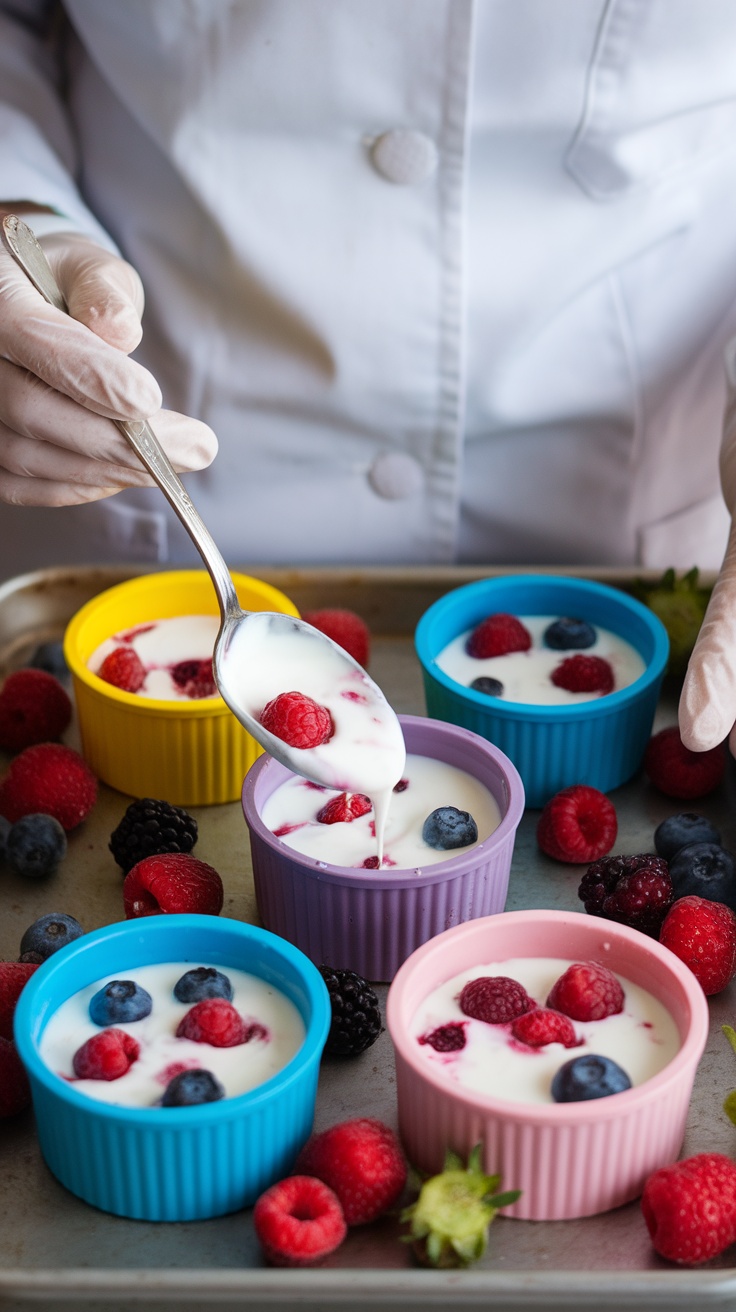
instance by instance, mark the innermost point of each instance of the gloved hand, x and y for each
(707, 712)
(64, 377)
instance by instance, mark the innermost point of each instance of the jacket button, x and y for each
(395, 476)
(404, 157)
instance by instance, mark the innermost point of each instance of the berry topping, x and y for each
(50, 779)
(15, 1090)
(190, 1088)
(124, 669)
(34, 708)
(446, 1038)
(13, 976)
(497, 635)
(106, 1056)
(47, 934)
(356, 1014)
(36, 846)
(578, 824)
(690, 1208)
(679, 830)
(677, 771)
(706, 870)
(203, 982)
(703, 935)
(542, 1026)
(214, 1021)
(344, 808)
(587, 991)
(449, 1220)
(172, 883)
(297, 720)
(362, 1161)
(345, 628)
(584, 674)
(488, 686)
(569, 634)
(298, 1222)
(120, 1001)
(149, 828)
(370, 863)
(195, 678)
(496, 999)
(591, 1076)
(447, 828)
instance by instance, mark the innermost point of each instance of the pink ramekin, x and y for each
(371, 920)
(569, 1159)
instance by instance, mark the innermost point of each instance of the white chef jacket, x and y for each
(450, 279)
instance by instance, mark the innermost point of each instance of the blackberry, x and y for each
(151, 828)
(356, 1015)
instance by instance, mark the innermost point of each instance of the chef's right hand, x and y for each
(63, 378)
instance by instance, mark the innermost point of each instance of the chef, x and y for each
(450, 281)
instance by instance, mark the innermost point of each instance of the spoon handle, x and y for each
(25, 249)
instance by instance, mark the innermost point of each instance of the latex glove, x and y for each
(64, 377)
(707, 712)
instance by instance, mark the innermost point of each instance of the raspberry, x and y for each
(150, 828)
(298, 1222)
(690, 1208)
(587, 991)
(542, 1026)
(632, 890)
(584, 674)
(106, 1056)
(214, 1021)
(13, 976)
(495, 999)
(578, 824)
(678, 772)
(362, 1161)
(195, 678)
(344, 808)
(51, 779)
(34, 708)
(446, 1038)
(356, 1014)
(345, 628)
(170, 883)
(124, 669)
(497, 635)
(15, 1091)
(297, 720)
(703, 935)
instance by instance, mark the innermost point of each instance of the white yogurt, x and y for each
(291, 813)
(162, 1054)
(161, 645)
(525, 675)
(642, 1039)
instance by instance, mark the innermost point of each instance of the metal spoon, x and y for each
(256, 652)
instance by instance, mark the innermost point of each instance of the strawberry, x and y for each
(124, 669)
(106, 1056)
(344, 808)
(51, 779)
(34, 708)
(15, 1091)
(494, 999)
(578, 824)
(497, 635)
(297, 720)
(13, 976)
(195, 678)
(703, 935)
(345, 628)
(690, 1208)
(542, 1026)
(172, 882)
(678, 772)
(362, 1161)
(587, 991)
(298, 1222)
(584, 674)
(449, 1220)
(214, 1021)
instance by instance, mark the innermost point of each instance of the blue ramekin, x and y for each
(174, 1163)
(599, 742)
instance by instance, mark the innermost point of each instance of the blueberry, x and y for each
(485, 684)
(679, 830)
(119, 1001)
(203, 982)
(49, 933)
(447, 827)
(706, 870)
(4, 831)
(588, 1077)
(49, 656)
(35, 846)
(569, 634)
(189, 1088)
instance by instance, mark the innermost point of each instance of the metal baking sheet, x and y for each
(58, 1253)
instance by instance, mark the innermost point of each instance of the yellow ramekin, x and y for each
(189, 753)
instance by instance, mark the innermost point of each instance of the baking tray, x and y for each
(58, 1253)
